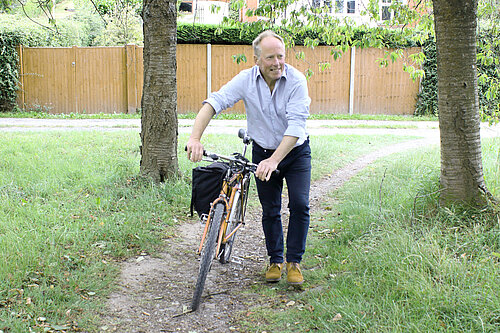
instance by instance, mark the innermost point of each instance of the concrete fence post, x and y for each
(209, 69)
(20, 70)
(351, 80)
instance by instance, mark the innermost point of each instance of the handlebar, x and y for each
(236, 158)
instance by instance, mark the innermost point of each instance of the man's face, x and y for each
(271, 61)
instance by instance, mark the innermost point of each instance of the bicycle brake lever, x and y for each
(210, 155)
(204, 151)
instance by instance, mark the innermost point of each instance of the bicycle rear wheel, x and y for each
(227, 248)
(240, 205)
(207, 254)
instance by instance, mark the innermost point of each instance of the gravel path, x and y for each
(427, 129)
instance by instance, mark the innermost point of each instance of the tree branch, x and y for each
(98, 12)
(29, 18)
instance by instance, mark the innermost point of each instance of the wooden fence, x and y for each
(109, 79)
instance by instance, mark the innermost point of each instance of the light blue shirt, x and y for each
(270, 116)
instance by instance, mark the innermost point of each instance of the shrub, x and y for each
(123, 27)
(488, 68)
(427, 97)
(8, 70)
(66, 33)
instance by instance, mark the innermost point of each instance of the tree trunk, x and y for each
(159, 97)
(461, 165)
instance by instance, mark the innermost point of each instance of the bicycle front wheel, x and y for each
(208, 253)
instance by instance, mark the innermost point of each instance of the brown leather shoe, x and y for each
(273, 273)
(293, 273)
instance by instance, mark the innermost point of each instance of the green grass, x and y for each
(73, 208)
(327, 116)
(393, 126)
(383, 257)
(45, 115)
(192, 115)
(333, 152)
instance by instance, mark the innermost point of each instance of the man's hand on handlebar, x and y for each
(265, 169)
(194, 150)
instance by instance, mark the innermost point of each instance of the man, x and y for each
(277, 106)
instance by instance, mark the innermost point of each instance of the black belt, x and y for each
(265, 150)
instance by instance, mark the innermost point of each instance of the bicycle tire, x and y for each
(207, 254)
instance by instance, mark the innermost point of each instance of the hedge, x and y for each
(8, 70)
(214, 34)
(427, 99)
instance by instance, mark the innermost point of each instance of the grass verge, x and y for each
(192, 115)
(73, 208)
(383, 257)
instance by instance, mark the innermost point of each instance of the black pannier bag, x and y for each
(206, 186)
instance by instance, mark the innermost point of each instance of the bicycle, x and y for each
(226, 215)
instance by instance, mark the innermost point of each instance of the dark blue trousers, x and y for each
(296, 170)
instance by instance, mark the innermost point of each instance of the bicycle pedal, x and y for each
(203, 219)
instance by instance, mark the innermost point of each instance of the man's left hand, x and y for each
(265, 169)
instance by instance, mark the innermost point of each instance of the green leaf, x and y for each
(309, 73)
(324, 66)
(239, 58)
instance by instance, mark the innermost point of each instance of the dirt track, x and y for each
(152, 291)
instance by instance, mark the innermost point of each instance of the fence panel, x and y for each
(110, 79)
(328, 89)
(49, 79)
(191, 77)
(101, 80)
(134, 80)
(224, 68)
(386, 90)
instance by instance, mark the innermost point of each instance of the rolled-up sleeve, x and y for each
(228, 94)
(297, 110)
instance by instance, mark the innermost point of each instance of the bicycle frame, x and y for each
(234, 185)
